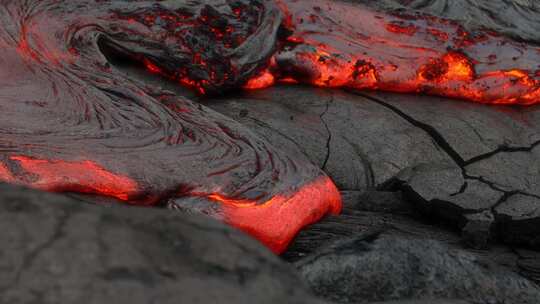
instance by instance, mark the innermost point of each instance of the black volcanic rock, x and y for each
(385, 267)
(495, 163)
(515, 18)
(358, 142)
(438, 155)
(519, 217)
(441, 191)
(55, 249)
(467, 131)
(456, 161)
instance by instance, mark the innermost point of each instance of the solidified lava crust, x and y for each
(72, 122)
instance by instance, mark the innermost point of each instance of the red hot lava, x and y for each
(72, 122)
(334, 44)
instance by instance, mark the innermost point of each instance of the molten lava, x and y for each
(344, 45)
(72, 122)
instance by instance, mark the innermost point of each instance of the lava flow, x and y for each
(72, 122)
(334, 44)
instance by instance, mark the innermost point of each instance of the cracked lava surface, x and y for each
(72, 122)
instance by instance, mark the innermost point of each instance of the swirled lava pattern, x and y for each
(72, 122)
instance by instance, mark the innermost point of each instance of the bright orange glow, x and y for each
(452, 66)
(274, 222)
(365, 49)
(459, 67)
(264, 80)
(369, 50)
(277, 221)
(238, 203)
(82, 176)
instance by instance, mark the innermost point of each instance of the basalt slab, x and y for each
(383, 267)
(56, 249)
(490, 186)
(456, 161)
(359, 143)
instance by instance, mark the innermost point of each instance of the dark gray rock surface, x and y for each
(367, 214)
(495, 168)
(440, 155)
(358, 142)
(462, 159)
(432, 169)
(516, 18)
(55, 249)
(386, 267)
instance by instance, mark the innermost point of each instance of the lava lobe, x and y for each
(72, 122)
(335, 44)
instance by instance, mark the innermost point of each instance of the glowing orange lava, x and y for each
(61, 94)
(64, 176)
(264, 80)
(274, 222)
(283, 215)
(336, 44)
